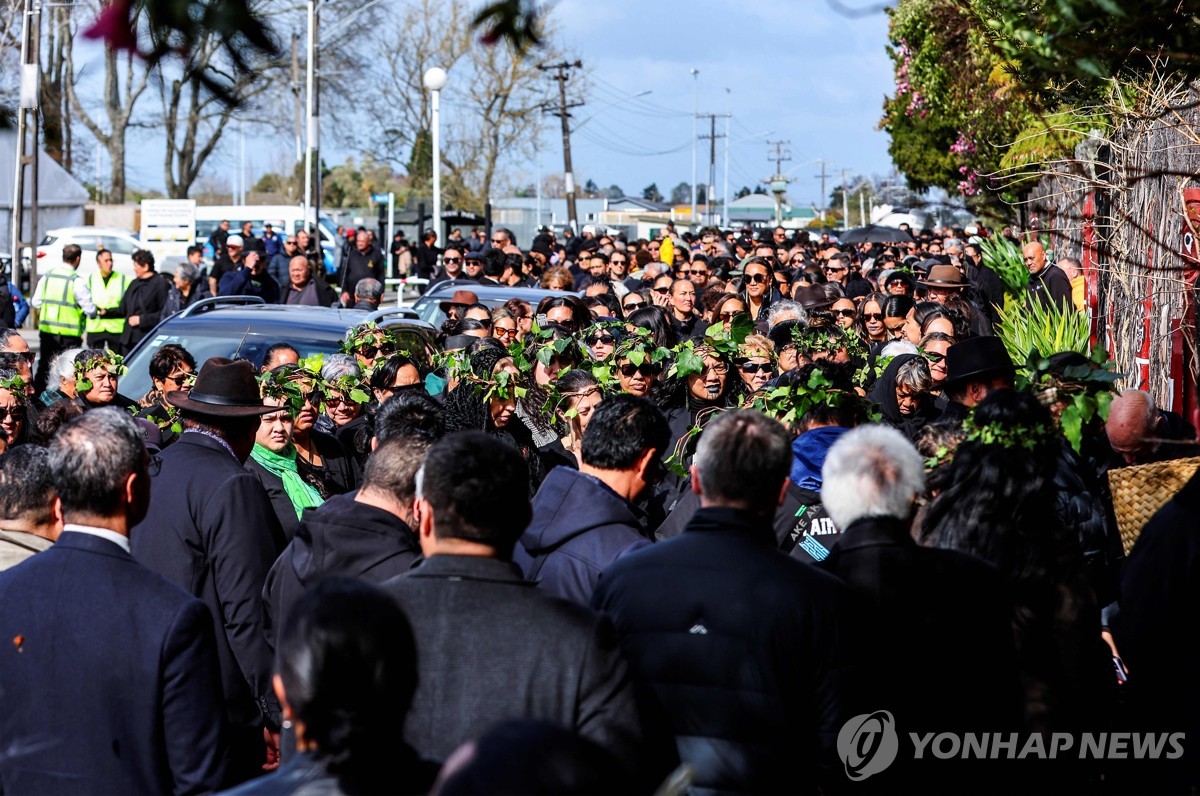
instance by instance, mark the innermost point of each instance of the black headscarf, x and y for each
(883, 395)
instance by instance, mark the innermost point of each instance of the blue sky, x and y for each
(796, 68)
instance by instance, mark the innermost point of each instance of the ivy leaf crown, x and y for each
(113, 363)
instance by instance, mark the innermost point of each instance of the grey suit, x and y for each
(493, 647)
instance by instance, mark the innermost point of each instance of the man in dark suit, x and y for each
(211, 531)
(929, 631)
(491, 646)
(730, 639)
(109, 681)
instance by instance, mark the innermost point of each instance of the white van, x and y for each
(284, 219)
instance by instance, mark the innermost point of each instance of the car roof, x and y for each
(300, 318)
(444, 290)
(64, 231)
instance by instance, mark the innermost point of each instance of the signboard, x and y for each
(380, 198)
(168, 228)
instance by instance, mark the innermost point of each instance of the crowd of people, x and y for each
(690, 515)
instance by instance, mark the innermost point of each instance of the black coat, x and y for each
(1051, 285)
(737, 645)
(929, 636)
(211, 531)
(579, 528)
(285, 512)
(109, 681)
(1160, 615)
(338, 474)
(357, 266)
(146, 298)
(340, 537)
(492, 647)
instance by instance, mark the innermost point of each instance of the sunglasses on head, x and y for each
(646, 369)
(757, 367)
(756, 279)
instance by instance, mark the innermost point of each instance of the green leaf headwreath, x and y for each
(113, 363)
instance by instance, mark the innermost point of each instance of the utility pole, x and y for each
(845, 203)
(823, 175)
(312, 152)
(298, 121)
(712, 137)
(779, 180)
(695, 136)
(562, 75)
(27, 150)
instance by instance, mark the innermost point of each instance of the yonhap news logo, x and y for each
(868, 744)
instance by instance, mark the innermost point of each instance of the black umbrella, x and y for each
(875, 233)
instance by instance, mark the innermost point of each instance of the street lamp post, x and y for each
(435, 81)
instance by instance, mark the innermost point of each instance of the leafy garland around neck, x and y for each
(111, 362)
(1082, 391)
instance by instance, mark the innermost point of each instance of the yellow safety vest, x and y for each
(60, 313)
(106, 296)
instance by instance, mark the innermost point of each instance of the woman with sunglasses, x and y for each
(634, 300)
(320, 458)
(504, 326)
(660, 291)
(755, 363)
(758, 284)
(346, 394)
(521, 312)
(601, 340)
(869, 321)
(844, 312)
(14, 409)
(567, 311)
(725, 310)
(171, 368)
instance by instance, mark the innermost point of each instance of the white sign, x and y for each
(168, 228)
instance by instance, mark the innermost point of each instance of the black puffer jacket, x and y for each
(736, 643)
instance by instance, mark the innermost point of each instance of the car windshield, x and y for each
(429, 308)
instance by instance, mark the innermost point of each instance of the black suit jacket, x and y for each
(491, 647)
(212, 532)
(109, 681)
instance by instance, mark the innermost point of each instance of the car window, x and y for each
(117, 245)
(429, 308)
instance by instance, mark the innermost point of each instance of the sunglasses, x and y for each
(647, 369)
(684, 271)
(28, 356)
(662, 291)
(452, 259)
(500, 332)
(15, 412)
(729, 316)
(606, 339)
(181, 378)
(757, 367)
(498, 241)
(289, 243)
(756, 279)
(634, 305)
(333, 400)
(617, 262)
(369, 351)
(844, 313)
(831, 269)
(872, 316)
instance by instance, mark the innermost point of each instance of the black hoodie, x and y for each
(341, 537)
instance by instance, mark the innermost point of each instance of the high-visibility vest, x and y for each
(60, 313)
(106, 296)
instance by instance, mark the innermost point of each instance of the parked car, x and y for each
(243, 327)
(120, 242)
(428, 307)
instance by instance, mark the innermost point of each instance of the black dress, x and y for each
(337, 475)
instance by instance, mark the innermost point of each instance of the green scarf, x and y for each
(283, 465)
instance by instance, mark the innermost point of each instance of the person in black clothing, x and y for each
(251, 279)
(228, 260)
(367, 536)
(974, 368)
(951, 607)
(1047, 282)
(753, 696)
(347, 671)
(320, 457)
(902, 394)
(144, 301)
(364, 261)
(426, 260)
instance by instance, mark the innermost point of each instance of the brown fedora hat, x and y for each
(944, 276)
(463, 297)
(224, 388)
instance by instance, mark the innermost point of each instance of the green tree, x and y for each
(681, 194)
(744, 191)
(651, 193)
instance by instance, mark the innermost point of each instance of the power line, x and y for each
(562, 71)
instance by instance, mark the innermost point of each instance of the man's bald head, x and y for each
(1035, 257)
(1132, 418)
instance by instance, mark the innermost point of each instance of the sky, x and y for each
(801, 71)
(795, 70)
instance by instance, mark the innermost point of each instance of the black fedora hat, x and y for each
(224, 388)
(977, 358)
